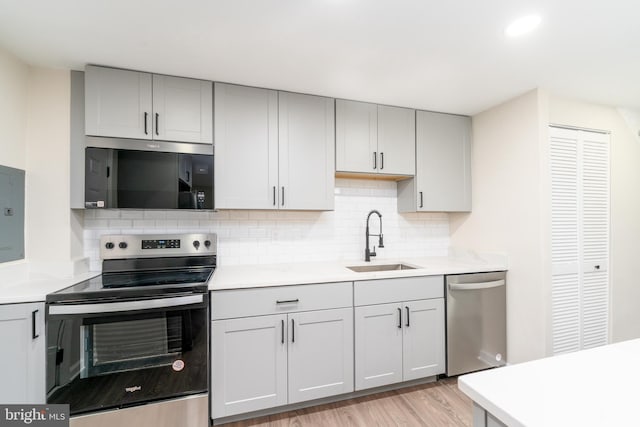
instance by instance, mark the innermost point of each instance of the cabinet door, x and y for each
(182, 109)
(22, 359)
(443, 162)
(320, 354)
(249, 364)
(356, 136)
(306, 151)
(378, 345)
(396, 140)
(246, 144)
(117, 103)
(423, 340)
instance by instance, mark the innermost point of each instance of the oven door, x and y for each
(115, 354)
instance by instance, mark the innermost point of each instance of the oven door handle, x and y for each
(114, 307)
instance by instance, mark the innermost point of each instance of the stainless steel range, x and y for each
(132, 343)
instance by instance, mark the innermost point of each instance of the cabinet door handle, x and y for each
(146, 115)
(421, 200)
(34, 333)
(157, 120)
(399, 318)
(274, 195)
(407, 316)
(282, 331)
(381, 161)
(282, 196)
(293, 331)
(287, 301)
(375, 159)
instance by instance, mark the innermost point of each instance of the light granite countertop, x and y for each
(20, 282)
(253, 276)
(595, 387)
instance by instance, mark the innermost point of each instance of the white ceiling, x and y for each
(443, 55)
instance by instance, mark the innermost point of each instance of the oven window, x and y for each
(124, 345)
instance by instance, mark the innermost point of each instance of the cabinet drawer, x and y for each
(280, 299)
(384, 291)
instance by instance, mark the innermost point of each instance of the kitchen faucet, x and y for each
(367, 253)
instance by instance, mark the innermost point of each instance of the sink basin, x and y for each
(380, 267)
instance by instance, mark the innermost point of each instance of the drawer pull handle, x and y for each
(399, 318)
(293, 331)
(287, 301)
(408, 323)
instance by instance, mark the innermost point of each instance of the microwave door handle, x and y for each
(115, 307)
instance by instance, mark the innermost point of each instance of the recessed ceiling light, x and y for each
(522, 25)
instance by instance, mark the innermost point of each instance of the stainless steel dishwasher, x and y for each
(476, 322)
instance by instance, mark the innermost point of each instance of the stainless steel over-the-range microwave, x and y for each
(138, 174)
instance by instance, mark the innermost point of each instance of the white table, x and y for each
(596, 387)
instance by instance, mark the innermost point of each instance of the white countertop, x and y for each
(253, 276)
(595, 387)
(19, 283)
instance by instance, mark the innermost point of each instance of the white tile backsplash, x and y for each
(263, 237)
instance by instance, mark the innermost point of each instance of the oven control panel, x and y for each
(151, 245)
(161, 244)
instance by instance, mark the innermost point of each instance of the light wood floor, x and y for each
(435, 404)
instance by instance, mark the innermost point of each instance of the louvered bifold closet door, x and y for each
(565, 281)
(595, 239)
(579, 163)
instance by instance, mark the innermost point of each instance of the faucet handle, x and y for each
(373, 252)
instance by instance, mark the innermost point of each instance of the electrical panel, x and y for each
(11, 214)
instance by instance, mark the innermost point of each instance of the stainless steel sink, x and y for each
(380, 267)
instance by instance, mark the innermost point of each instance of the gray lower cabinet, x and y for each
(303, 351)
(399, 330)
(443, 165)
(374, 139)
(22, 359)
(249, 364)
(132, 104)
(274, 150)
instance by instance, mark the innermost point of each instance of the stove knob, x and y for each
(109, 245)
(123, 245)
(207, 243)
(196, 244)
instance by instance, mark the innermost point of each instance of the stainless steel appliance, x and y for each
(121, 173)
(476, 322)
(135, 339)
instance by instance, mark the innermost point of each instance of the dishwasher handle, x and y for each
(476, 285)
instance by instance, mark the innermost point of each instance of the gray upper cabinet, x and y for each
(274, 150)
(374, 139)
(132, 104)
(397, 140)
(356, 136)
(182, 109)
(306, 151)
(443, 175)
(118, 103)
(246, 141)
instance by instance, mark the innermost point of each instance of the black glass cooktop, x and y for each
(112, 285)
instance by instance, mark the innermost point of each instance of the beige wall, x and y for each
(506, 215)
(625, 206)
(34, 136)
(13, 110)
(47, 144)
